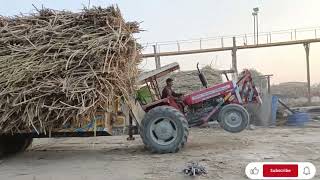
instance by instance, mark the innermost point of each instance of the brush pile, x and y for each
(58, 66)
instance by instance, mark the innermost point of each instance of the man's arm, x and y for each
(174, 94)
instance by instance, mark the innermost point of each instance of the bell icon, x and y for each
(306, 171)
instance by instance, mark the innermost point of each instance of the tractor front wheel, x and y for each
(164, 129)
(233, 118)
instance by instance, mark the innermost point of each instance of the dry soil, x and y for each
(224, 155)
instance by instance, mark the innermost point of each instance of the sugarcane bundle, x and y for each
(58, 66)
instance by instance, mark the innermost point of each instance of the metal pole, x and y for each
(130, 138)
(257, 29)
(270, 37)
(307, 48)
(269, 87)
(156, 57)
(234, 60)
(254, 28)
(246, 40)
(159, 63)
(222, 42)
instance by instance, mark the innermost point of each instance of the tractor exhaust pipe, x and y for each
(202, 78)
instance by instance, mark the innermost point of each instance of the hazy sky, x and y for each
(182, 19)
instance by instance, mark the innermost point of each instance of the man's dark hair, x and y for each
(169, 80)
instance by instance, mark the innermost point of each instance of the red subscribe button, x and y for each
(280, 170)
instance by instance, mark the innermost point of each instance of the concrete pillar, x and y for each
(307, 49)
(234, 60)
(156, 57)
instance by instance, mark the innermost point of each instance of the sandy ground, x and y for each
(224, 155)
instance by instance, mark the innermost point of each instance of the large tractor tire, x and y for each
(233, 118)
(164, 129)
(14, 144)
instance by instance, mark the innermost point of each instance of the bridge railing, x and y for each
(226, 41)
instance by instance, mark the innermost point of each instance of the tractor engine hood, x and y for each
(208, 93)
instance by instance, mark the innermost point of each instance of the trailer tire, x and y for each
(14, 144)
(233, 118)
(164, 129)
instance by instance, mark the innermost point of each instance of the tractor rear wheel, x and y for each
(14, 144)
(233, 118)
(164, 129)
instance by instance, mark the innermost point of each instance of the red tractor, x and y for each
(162, 123)
(164, 127)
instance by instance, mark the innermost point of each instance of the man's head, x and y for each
(169, 82)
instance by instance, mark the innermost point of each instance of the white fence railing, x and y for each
(226, 41)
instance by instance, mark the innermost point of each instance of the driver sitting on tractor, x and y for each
(167, 90)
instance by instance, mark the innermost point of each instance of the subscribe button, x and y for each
(280, 170)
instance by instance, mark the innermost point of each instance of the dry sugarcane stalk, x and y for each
(58, 65)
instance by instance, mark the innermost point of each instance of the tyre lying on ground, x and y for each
(164, 129)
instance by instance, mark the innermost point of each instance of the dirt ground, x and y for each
(224, 155)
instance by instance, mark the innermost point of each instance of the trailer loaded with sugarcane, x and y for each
(65, 74)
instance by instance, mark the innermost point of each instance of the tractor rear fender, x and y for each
(169, 101)
(154, 104)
